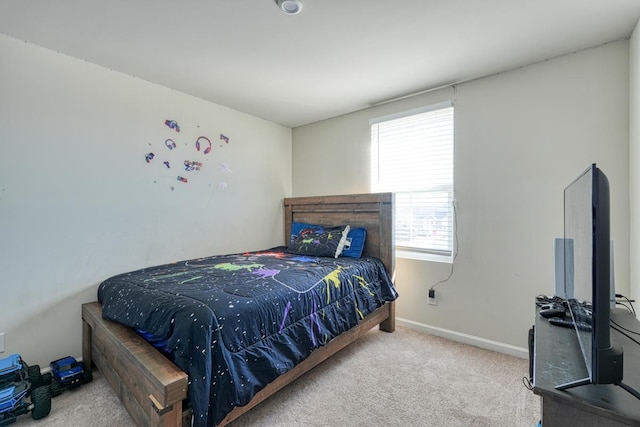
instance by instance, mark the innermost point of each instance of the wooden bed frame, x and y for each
(152, 388)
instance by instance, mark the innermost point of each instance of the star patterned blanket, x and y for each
(234, 323)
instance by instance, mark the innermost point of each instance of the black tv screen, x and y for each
(587, 277)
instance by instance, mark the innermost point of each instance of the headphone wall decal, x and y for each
(172, 125)
(203, 138)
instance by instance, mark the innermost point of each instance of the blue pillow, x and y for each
(355, 243)
(354, 246)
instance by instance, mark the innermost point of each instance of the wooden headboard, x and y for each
(374, 212)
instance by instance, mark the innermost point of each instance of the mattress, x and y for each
(234, 323)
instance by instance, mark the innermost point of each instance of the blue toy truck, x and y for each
(67, 373)
(22, 390)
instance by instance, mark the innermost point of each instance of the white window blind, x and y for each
(412, 156)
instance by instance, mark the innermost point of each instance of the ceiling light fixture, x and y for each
(290, 7)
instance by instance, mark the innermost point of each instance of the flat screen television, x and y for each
(587, 274)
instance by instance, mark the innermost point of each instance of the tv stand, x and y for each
(557, 360)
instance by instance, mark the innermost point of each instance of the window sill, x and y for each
(421, 256)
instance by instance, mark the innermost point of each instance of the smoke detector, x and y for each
(290, 7)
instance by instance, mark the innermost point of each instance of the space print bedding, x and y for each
(234, 323)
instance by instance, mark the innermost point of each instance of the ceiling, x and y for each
(333, 58)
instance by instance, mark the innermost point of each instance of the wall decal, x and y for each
(192, 165)
(180, 149)
(172, 125)
(203, 139)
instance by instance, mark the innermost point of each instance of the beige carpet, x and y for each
(406, 378)
(90, 405)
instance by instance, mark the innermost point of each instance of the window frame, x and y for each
(414, 252)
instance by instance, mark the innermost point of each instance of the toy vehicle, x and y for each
(67, 373)
(22, 391)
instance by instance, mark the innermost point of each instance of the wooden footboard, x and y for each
(152, 388)
(148, 384)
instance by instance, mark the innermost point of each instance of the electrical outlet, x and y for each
(2, 342)
(432, 297)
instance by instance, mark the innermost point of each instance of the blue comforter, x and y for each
(234, 323)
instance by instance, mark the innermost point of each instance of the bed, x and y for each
(154, 388)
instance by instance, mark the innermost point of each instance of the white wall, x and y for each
(521, 137)
(78, 202)
(634, 160)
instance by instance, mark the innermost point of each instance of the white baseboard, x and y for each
(512, 350)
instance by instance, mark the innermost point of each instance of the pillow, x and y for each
(297, 227)
(320, 241)
(354, 245)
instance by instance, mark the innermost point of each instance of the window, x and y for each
(412, 156)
